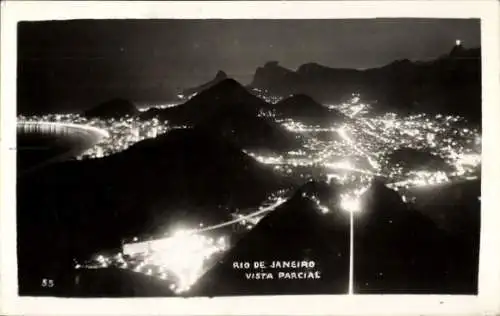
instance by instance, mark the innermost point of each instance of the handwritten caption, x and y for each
(278, 270)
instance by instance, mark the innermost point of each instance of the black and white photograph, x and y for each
(248, 157)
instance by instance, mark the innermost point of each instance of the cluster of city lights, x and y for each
(359, 150)
(323, 208)
(266, 95)
(161, 106)
(121, 133)
(422, 178)
(179, 260)
(299, 127)
(352, 107)
(124, 133)
(373, 139)
(350, 202)
(186, 97)
(351, 154)
(359, 147)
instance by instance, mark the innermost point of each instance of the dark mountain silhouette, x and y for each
(270, 75)
(80, 207)
(228, 109)
(399, 250)
(249, 131)
(455, 208)
(459, 51)
(450, 84)
(220, 76)
(306, 109)
(226, 93)
(296, 230)
(320, 82)
(112, 109)
(313, 76)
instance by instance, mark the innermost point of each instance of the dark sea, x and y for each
(36, 148)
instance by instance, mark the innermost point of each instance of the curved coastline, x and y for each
(71, 140)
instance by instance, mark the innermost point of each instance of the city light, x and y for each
(350, 204)
(179, 259)
(323, 208)
(117, 134)
(351, 154)
(469, 159)
(266, 96)
(158, 106)
(186, 253)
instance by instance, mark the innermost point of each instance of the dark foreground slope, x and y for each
(456, 209)
(103, 283)
(115, 282)
(399, 250)
(186, 176)
(296, 231)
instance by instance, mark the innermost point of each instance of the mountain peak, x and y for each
(305, 108)
(221, 75)
(213, 98)
(112, 108)
(381, 199)
(224, 89)
(229, 83)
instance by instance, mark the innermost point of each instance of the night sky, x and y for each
(170, 54)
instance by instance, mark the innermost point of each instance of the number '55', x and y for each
(47, 283)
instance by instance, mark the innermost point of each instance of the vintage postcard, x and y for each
(185, 150)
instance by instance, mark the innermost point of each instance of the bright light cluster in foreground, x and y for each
(179, 260)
